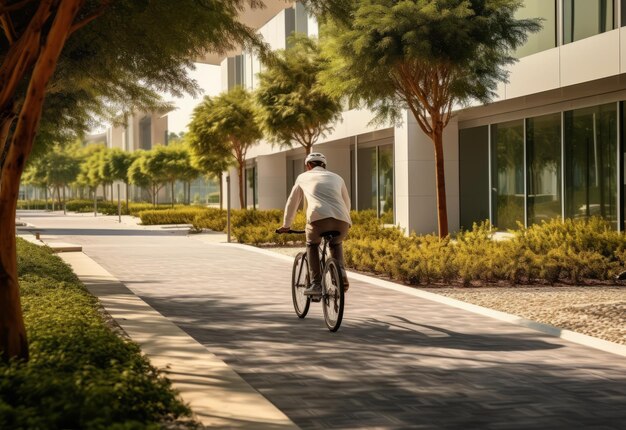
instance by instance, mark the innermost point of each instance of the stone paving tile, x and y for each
(397, 362)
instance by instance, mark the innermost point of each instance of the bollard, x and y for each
(119, 205)
(228, 208)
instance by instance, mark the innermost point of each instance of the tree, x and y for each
(63, 62)
(211, 164)
(173, 162)
(115, 167)
(294, 106)
(424, 56)
(146, 172)
(59, 168)
(90, 174)
(224, 127)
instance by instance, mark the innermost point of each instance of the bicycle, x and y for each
(333, 290)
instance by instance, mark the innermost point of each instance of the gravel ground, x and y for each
(598, 311)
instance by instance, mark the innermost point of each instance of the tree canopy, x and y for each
(427, 56)
(223, 128)
(294, 106)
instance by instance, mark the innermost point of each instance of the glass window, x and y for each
(251, 194)
(375, 180)
(474, 175)
(145, 133)
(543, 160)
(385, 183)
(585, 18)
(591, 162)
(507, 174)
(367, 179)
(544, 38)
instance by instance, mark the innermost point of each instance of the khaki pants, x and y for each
(313, 239)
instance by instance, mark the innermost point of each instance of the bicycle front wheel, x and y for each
(299, 282)
(332, 294)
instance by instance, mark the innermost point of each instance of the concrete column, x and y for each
(272, 171)
(338, 157)
(158, 124)
(416, 198)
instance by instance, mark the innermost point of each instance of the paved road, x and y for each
(397, 362)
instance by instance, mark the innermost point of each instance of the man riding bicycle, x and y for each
(327, 209)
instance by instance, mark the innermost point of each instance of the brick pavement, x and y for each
(398, 361)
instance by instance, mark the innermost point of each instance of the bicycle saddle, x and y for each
(330, 234)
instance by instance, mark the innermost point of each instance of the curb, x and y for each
(572, 336)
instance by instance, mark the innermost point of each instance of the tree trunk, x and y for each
(240, 172)
(442, 209)
(13, 341)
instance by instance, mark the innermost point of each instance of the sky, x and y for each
(208, 77)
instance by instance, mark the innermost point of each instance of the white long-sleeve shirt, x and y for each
(326, 197)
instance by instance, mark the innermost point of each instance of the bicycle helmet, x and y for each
(315, 156)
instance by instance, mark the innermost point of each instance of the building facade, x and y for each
(549, 145)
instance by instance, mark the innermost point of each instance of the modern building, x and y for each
(143, 130)
(550, 144)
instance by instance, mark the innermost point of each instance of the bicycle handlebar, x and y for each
(291, 231)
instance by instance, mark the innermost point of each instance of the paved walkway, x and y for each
(398, 361)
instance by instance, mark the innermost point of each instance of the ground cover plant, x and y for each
(570, 251)
(80, 373)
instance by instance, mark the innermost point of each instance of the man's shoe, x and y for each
(313, 290)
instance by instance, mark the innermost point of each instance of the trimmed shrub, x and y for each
(554, 251)
(33, 204)
(212, 219)
(80, 374)
(185, 215)
(570, 251)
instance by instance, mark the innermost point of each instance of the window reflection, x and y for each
(375, 180)
(385, 183)
(585, 18)
(543, 155)
(544, 38)
(507, 174)
(251, 194)
(591, 162)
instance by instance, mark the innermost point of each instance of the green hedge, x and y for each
(185, 215)
(80, 374)
(33, 204)
(251, 226)
(572, 251)
(555, 251)
(213, 219)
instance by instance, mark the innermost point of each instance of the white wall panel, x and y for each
(272, 170)
(591, 58)
(533, 74)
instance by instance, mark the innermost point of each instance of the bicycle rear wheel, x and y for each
(332, 294)
(299, 282)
